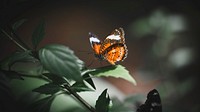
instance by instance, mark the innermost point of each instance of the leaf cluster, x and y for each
(62, 69)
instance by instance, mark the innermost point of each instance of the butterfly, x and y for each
(152, 104)
(112, 49)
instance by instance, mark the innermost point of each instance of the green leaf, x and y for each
(55, 78)
(49, 88)
(35, 69)
(17, 24)
(60, 60)
(16, 57)
(117, 71)
(89, 80)
(42, 105)
(80, 63)
(102, 104)
(80, 87)
(38, 34)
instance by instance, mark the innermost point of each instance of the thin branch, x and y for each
(18, 38)
(36, 76)
(66, 86)
(88, 106)
(19, 45)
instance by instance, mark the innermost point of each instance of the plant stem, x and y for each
(88, 106)
(18, 38)
(13, 40)
(67, 86)
(38, 77)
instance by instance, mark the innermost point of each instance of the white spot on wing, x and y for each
(114, 37)
(93, 39)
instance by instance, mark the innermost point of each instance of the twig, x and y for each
(66, 86)
(88, 106)
(13, 40)
(34, 76)
(18, 38)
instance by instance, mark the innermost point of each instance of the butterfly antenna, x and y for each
(91, 63)
(101, 63)
(88, 52)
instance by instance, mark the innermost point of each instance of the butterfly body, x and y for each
(112, 49)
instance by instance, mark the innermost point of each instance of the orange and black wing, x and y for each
(120, 33)
(95, 43)
(117, 36)
(115, 53)
(112, 49)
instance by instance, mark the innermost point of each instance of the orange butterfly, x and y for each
(112, 49)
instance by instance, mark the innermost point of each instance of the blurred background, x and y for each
(162, 40)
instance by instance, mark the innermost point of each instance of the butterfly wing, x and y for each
(113, 47)
(119, 32)
(152, 104)
(95, 43)
(116, 52)
(117, 36)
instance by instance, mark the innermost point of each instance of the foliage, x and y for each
(64, 72)
(60, 60)
(38, 34)
(114, 71)
(102, 104)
